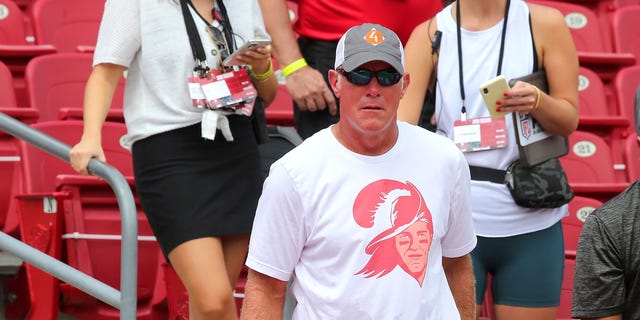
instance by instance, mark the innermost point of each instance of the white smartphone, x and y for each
(492, 91)
(252, 44)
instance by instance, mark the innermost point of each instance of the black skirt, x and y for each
(191, 187)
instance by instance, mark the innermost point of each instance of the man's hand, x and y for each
(310, 92)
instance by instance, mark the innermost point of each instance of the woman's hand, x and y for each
(82, 153)
(259, 59)
(523, 98)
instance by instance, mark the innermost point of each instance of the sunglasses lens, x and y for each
(388, 77)
(360, 77)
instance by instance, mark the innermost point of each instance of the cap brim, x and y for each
(358, 59)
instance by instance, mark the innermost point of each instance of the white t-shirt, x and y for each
(150, 39)
(354, 230)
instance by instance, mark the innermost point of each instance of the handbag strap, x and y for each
(194, 40)
(487, 174)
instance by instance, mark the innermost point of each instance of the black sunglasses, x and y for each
(219, 40)
(361, 77)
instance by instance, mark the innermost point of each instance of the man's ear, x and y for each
(406, 79)
(334, 81)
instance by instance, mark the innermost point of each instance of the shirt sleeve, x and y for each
(119, 34)
(278, 231)
(598, 284)
(460, 238)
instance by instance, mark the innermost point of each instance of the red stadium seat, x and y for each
(589, 167)
(17, 46)
(589, 159)
(564, 310)
(280, 111)
(56, 84)
(67, 24)
(592, 39)
(84, 229)
(632, 157)
(9, 158)
(626, 84)
(579, 210)
(595, 112)
(8, 99)
(12, 23)
(623, 3)
(626, 30)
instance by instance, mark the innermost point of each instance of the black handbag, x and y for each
(544, 185)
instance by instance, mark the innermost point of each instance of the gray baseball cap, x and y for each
(369, 42)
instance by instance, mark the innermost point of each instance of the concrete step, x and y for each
(9, 263)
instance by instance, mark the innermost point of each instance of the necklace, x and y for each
(463, 110)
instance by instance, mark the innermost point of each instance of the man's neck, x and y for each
(368, 144)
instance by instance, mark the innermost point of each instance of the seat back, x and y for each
(589, 159)
(12, 24)
(592, 99)
(7, 92)
(626, 30)
(627, 82)
(67, 24)
(56, 83)
(584, 26)
(8, 153)
(564, 309)
(280, 111)
(40, 169)
(579, 209)
(632, 157)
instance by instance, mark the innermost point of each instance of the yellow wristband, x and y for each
(265, 75)
(294, 66)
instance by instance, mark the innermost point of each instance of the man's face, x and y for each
(368, 108)
(413, 246)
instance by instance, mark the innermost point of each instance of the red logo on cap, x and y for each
(373, 37)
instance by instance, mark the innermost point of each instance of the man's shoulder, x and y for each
(427, 138)
(626, 201)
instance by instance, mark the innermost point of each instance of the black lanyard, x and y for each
(504, 32)
(197, 49)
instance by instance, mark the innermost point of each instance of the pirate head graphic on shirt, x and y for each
(399, 215)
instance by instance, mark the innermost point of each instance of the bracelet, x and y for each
(294, 66)
(537, 104)
(263, 76)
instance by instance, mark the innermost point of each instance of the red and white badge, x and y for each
(195, 91)
(229, 89)
(480, 134)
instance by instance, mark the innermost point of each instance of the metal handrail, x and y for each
(125, 299)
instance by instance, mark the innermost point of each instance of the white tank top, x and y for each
(494, 212)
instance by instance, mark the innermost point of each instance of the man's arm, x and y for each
(306, 85)
(459, 274)
(264, 297)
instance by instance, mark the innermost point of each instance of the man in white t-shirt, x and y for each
(370, 218)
